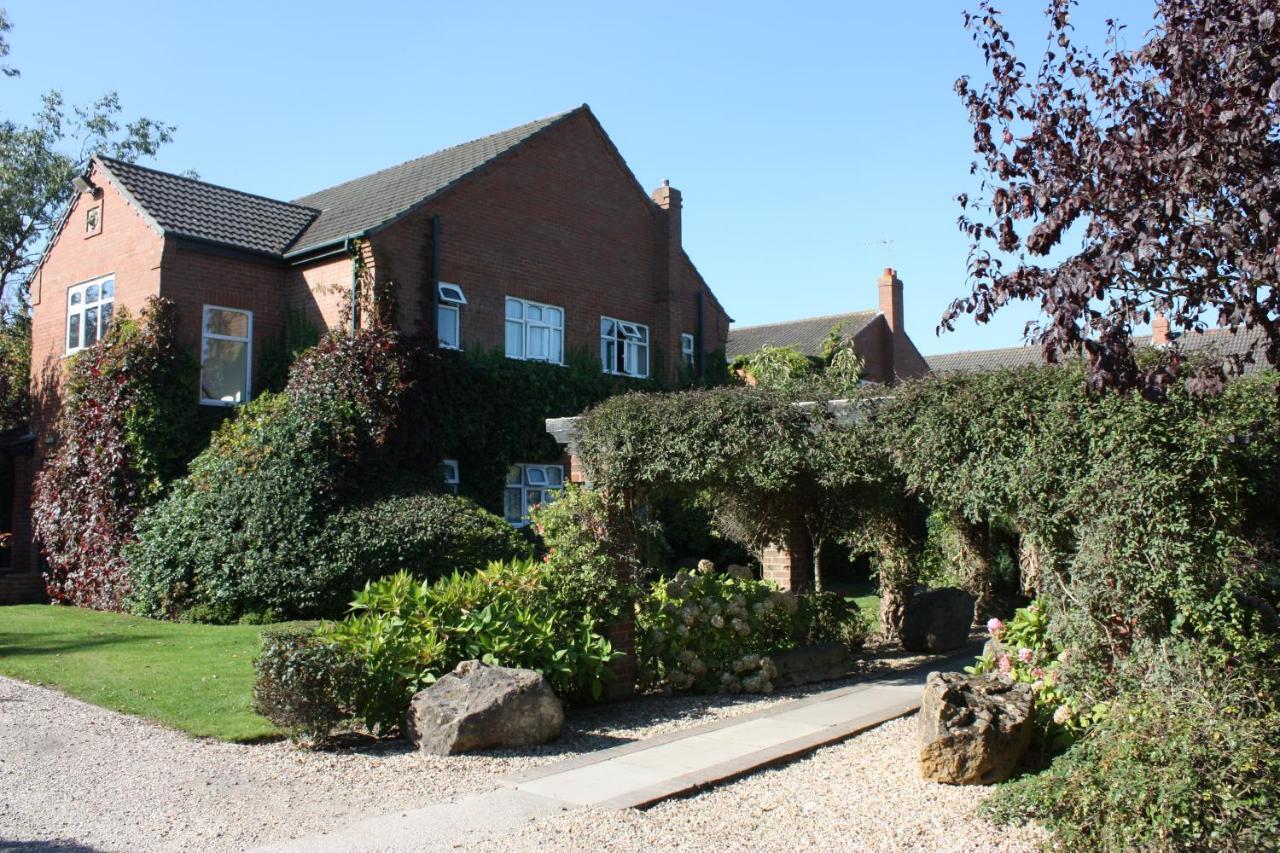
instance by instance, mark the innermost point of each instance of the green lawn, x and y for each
(197, 678)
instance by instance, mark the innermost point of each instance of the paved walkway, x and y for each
(645, 772)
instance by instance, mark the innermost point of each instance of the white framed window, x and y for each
(624, 347)
(687, 342)
(448, 315)
(89, 312)
(226, 356)
(449, 468)
(528, 486)
(535, 332)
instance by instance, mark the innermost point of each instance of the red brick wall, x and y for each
(319, 291)
(560, 221)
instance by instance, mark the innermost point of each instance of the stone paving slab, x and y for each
(643, 773)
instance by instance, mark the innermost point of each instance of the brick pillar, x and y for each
(622, 636)
(790, 566)
(1160, 330)
(573, 470)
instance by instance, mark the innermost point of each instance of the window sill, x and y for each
(625, 375)
(536, 360)
(223, 403)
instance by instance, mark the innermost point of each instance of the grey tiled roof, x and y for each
(351, 207)
(806, 335)
(1219, 342)
(205, 211)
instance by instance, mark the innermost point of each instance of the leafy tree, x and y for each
(39, 159)
(1164, 161)
(15, 366)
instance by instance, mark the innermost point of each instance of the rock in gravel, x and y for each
(937, 620)
(973, 729)
(479, 706)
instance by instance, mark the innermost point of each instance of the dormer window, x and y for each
(448, 315)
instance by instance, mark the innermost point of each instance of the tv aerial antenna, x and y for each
(887, 242)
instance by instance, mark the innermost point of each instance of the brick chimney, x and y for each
(1160, 330)
(667, 198)
(891, 308)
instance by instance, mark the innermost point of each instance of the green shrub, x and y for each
(714, 632)
(1185, 760)
(407, 632)
(303, 684)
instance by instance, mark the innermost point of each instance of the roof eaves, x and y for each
(128, 196)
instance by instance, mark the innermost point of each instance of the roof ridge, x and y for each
(803, 319)
(549, 119)
(115, 161)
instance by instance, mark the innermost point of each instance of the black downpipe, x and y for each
(355, 290)
(433, 320)
(701, 357)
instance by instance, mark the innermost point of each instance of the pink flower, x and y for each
(1037, 672)
(995, 627)
(1025, 655)
(1004, 664)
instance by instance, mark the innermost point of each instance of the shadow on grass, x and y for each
(30, 645)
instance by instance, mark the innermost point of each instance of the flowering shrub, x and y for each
(125, 428)
(407, 632)
(713, 632)
(1022, 650)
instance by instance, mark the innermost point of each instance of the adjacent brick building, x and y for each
(538, 240)
(878, 336)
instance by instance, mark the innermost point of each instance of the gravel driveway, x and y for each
(76, 774)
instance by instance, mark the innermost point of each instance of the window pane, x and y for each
(73, 331)
(91, 293)
(224, 371)
(75, 297)
(606, 355)
(642, 361)
(535, 476)
(515, 309)
(533, 313)
(106, 316)
(447, 319)
(557, 347)
(554, 317)
(514, 476)
(555, 475)
(511, 509)
(515, 339)
(606, 327)
(220, 322)
(538, 342)
(534, 497)
(109, 288)
(90, 326)
(643, 332)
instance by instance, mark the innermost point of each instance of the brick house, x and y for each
(538, 240)
(878, 336)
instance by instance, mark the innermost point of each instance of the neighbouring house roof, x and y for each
(191, 208)
(806, 335)
(1219, 342)
(358, 205)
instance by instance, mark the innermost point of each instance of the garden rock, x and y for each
(973, 729)
(479, 706)
(809, 664)
(937, 621)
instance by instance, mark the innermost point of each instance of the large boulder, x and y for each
(973, 729)
(938, 620)
(479, 706)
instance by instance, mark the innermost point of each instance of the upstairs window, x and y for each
(535, 332)
(89, 312)
(226, 356)
(687, 351)
(528, 486)
(624, 347)
(448, 315)
(449, 469)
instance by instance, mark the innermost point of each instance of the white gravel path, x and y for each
(76, 774)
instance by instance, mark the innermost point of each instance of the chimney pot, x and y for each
(1160, 330)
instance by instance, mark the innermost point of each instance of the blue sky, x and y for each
(801, 135)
